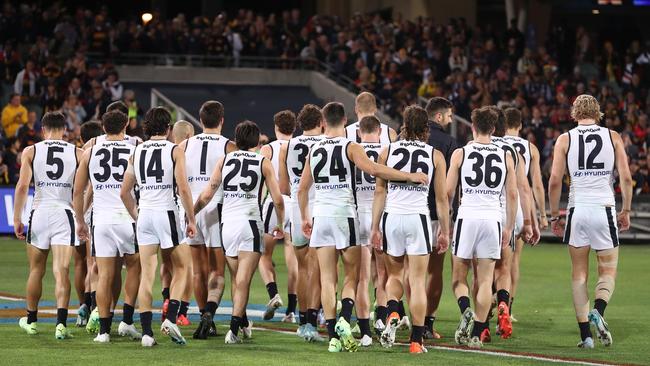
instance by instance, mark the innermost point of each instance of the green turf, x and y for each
(544, 309)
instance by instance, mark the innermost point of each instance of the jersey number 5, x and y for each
(54, 161)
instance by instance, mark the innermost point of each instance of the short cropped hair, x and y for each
(484, 119)
(247, 135)
(157, 121)
(334, 114)
(365, 103)
(513, 118)
(500, 124)
(114, 122)
(586, 107)
(54, 121)
(310, 117)
(90, 130)
(416, 124)
(285, 121)
(437, 105)
(118, 106)
(211, 114)
(182, 130)
(369, 124)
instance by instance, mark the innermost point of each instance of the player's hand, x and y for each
(442, 241)
(506, 235)
(623, 219)
(418, 178)
(543, 223)
(376, 240)
(82, 231)
(19, 229)
(278, 233)
(536, 236)
(190, 229)
(306, 228)
(557, 227)
(527, 233)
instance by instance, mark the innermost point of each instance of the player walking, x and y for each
(51, 164)
(589, 154)
(404, 209)
(158, 168)
(365, 105)
(482, 169)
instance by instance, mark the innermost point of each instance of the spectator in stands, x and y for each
(98, 100)
(113, 86)
(14, 115)
(4, 172)
(12, 159)
(74, 113)
(429, 88)
(26, 82)
(27, 134)
(51, 100)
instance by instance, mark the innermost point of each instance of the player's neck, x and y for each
(313, 132)
(587, 122)
(338, 131)
(283, 137)
(54, 135)
(212, 131)
(158, 137)
(512, 132)
(118, 137)
(483, 139)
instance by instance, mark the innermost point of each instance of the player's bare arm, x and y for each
(22, 189)
(361, 160)
(392, 134)
(285, 185)
(378, 203)
(80, 184)
(126, 191)
(442, 205)
(90, 143)
(525, 198)
(306, 181)
(452, 175)
(511, 201)
(555, 183)
(625, 178)
(230, 147)
(538, 186)
(184, 190)
(211, 188)
(274, 190)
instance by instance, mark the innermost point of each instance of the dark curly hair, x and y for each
(416, 124)
(157, 122)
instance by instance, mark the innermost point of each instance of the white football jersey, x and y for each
(154, 174)
(482, 179)
(297, 151)
(351, 132)
(201, 155)
(106, 166)
(334, 178)
(412, 157)
(242, 182)
(522, 146)
(591, 161)
(365, 182)
(275, 155)
(509, 149)
(53, 168)
(131, 140)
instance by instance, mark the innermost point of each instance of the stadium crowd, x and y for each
(44, 61)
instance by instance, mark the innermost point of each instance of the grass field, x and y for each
(546, 325)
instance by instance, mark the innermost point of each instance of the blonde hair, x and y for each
(182, 130)
(365, 103)
(586, 107)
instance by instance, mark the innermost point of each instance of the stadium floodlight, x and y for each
(146, 18)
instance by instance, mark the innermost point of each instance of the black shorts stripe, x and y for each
(612, 228)
(425, 228)
(29, 227)
(499, 231)
(93, 252)
(353, 232)
(267, 218)
(383, 232)
(223, 246)
(71, 223)
(219, 209)
(459, 227)
(256, 236)
(135, 239)
(172, 227)
(567, 227)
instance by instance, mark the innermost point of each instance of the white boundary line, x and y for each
(485, 352)
(11, 298)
